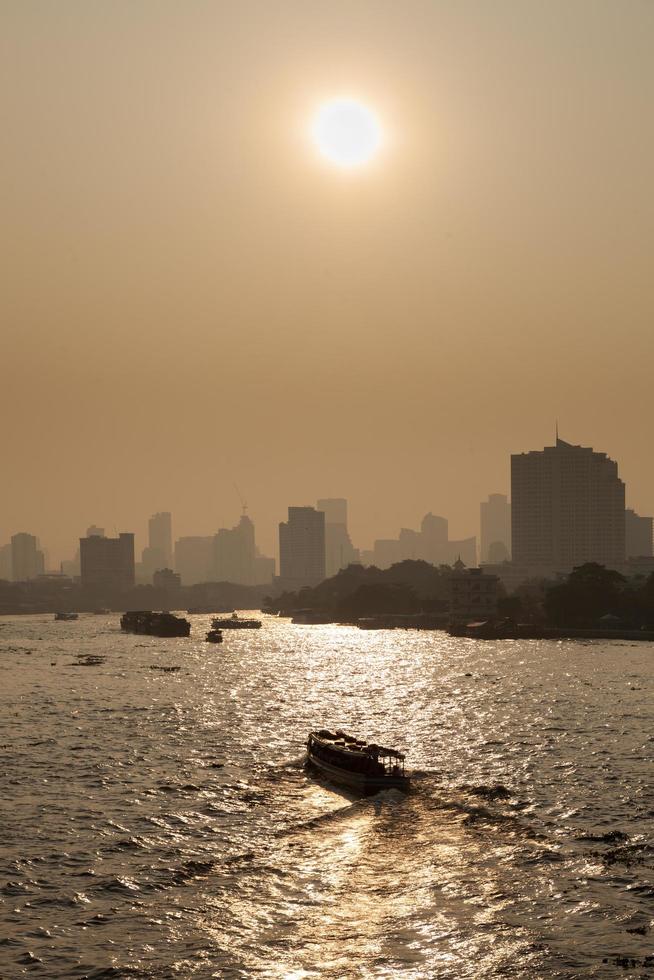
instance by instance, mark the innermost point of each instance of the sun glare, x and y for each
(346, 133)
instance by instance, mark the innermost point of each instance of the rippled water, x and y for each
(159, 823)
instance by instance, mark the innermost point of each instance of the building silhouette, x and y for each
(5, 562)
(27, 561)
(94, 531)
(234, 554)
(638, 535)
(159, 551)
(166, 579)
(302, 548)
(194, 559)
(567, 508)
(495, 528)
(339, 551)
(107, 564)
(431, 543)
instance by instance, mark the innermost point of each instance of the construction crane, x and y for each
(244, 505)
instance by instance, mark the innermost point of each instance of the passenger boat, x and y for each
(214, 636)
(154, 624)
(66, 616)
(234, 622)
(360, 765)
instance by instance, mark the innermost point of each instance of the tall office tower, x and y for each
(433, 544)
(234, 554)
(567, 508)
(334, 509)
(27, 561)
(5, 562)
(107, 563)
(495, 524)
(194, 559)
(638, 535)
(339, 551)
(302, 547)
(160, 538)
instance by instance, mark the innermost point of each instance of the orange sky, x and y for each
(191, 298)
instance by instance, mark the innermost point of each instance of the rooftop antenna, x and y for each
(557, 431)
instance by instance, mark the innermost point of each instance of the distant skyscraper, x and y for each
(567, 508)
(107, 563)
(339, 552)
(26, 560)
(638, 535)
(194, 559)
(334, 509)
(495, 523)
(160, 537)
(5, 562)
(302, 547)
(234, 553)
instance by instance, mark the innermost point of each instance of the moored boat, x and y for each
(214, 636)
(154, 623)
(363, 766)
(66, 616)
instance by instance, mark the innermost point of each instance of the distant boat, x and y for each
(234, 622)
(154, 623)
(363, 766)
(214, 636)
(66, 616)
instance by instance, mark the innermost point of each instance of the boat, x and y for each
(214, 636)
(66, 616)
(154, 623)
(234, 622)
(363, 766)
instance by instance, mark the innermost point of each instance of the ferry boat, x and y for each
(66, 616)
(360, 765)
(214, 636)
(234, 622)
(154, 623)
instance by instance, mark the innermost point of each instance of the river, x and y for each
(156, 820)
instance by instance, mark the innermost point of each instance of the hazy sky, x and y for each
(192, 298)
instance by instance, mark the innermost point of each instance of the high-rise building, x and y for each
(339, 551)
(234, 553)
(194, 559)
(567, 508)
(160, 538)
(638, 535)
(334, 509)
(495, 524)
(302, 548)
(27, 561)
(5, 562)
(107, 563)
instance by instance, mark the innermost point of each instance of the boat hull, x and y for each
(362, 782)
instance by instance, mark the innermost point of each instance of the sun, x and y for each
(346, 133)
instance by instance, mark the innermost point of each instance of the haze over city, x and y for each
(193, 297)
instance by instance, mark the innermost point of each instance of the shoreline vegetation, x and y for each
(592, 602)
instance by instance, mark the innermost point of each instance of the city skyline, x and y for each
(232, 551)
(183, 258)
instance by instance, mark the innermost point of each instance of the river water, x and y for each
(158, 823)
